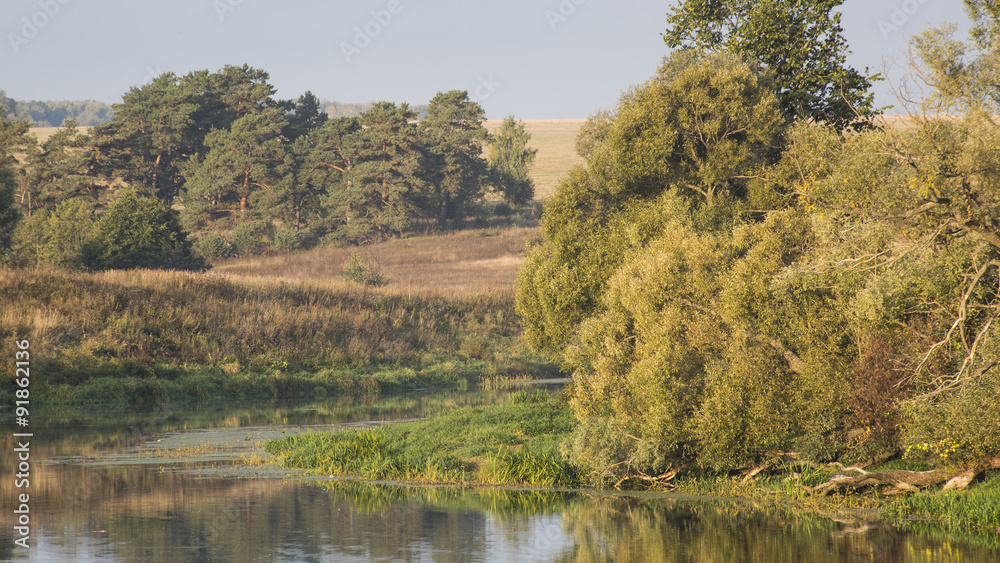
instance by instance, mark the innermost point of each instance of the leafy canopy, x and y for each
(801, 45)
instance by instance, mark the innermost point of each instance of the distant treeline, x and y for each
(245, 173)
(88, 113)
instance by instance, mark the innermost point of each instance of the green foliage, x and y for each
(606, 452)
(306, 116)
(252, 238)
(750, 406)
(363, 270)
(508, 444)
(380, 172)
(699, 125)
(286, 239)
(239, 166)
(214, 245)
(959, 428)
(58, 239)
(54, 113)
(593, 132)
(853, 307)
(801, 45)
(510, 158)
(656, 141)
(453, 135)
(9, 214)
(139, 232)
(61, 170)
(646, 351)
(155, 128)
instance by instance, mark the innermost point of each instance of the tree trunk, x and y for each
(443, 219)
(156, 171)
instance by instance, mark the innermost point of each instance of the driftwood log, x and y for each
(901, 481)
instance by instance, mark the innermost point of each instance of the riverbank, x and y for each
(143, 339)
(517, 443)
(514, 443)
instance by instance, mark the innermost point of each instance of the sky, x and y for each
(534, 59)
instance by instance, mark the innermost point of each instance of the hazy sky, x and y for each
(530, 58)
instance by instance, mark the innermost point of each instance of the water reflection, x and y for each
(164, 511)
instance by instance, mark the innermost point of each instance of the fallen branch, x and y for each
(902, 481)
(662, 479)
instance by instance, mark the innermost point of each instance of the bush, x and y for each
(286, 239)
(503, 209)
(213, 245)
(139, 232)
(363, 270)
(251, 239)
(961, 427)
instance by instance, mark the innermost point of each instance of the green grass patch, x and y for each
(515, 443)
(977, 507)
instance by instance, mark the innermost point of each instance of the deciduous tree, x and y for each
(139, 232)
(801, 44)
(510, 158)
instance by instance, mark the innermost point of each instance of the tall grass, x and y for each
(140, 337)
(976, 508)
(513, 443)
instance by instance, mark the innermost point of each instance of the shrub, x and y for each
(286, 239)
(253, 238)
(213, 245)
(363, 270)
(960, 427)
(503, 209)
(139, 232)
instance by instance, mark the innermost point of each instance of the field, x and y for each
(277, 327)
(459, 263)
(43, 133)
(555, 140)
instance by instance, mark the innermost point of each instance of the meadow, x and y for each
(277, 327)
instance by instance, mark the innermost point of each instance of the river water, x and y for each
(194, 485)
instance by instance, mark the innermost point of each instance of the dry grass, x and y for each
(43, 133)
(279, 326)
(459, 263)
(555, 140)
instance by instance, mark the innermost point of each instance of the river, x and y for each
(194, 485)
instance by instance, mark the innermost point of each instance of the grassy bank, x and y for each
(974, 512)
(141, 338)
(516, 443)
